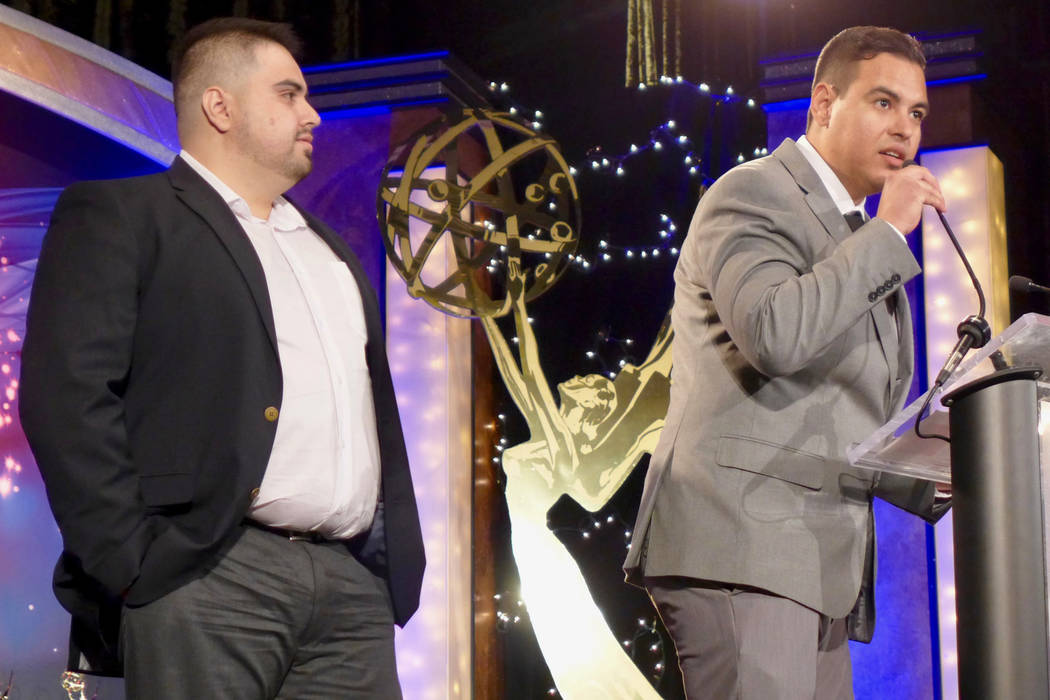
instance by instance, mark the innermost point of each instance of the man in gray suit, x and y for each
(793, 340)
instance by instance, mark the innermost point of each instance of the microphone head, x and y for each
(1020, 284)
(908, 162)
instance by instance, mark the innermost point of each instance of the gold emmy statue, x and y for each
(584, 444)
(74, 685)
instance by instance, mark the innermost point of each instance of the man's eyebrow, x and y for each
(882, 90)
(289, 83)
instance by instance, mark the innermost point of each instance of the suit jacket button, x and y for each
(896, 278)
(254, 493)
(271, 413)
(872, 296)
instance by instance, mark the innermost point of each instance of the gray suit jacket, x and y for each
(784, 355)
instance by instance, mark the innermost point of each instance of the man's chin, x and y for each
(876, 183)
(301, 169)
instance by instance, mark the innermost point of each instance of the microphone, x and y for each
(974, 332)
(1024, 285)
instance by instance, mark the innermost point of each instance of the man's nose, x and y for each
(905, 126)
(311, 117)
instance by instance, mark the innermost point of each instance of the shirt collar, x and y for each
(843, 202)
(283, 216)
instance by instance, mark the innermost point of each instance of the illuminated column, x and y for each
(430, 359)
(972, 182)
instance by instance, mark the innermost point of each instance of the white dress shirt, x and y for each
(323, 473)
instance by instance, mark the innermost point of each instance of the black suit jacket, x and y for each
(149, 363)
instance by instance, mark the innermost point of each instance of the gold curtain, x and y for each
(341, 28)
(47, 11)
(644, 57)
(176, 23)
(103, 21)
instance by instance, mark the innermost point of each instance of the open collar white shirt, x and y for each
(323, 473)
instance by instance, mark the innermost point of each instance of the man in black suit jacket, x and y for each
(158, 368)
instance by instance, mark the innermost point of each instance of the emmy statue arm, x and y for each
(545, 415)
(508, 367)
(633, 432)
(600, 485)
(524, 393)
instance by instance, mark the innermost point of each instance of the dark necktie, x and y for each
(855, 220)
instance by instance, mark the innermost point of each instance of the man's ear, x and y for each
(820, 102)
(215, 103)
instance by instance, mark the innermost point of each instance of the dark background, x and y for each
(567, 58)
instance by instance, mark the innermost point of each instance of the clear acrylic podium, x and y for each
(996, 408)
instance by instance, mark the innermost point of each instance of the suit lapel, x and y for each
(817, 198)
(202, 198)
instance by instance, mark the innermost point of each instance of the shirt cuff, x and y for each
(895, 230)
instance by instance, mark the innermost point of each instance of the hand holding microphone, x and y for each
(905, 193)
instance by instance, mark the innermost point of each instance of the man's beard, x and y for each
(299, 167)
(291, 164)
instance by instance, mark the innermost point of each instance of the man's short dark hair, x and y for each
(837, 63)
(220, 44)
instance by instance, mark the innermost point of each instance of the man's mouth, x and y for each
(897, 156)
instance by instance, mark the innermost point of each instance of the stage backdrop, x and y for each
(71, 111)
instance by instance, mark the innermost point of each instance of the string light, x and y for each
(667, 240)
(726, 95)
(661, 139)
(647, 638)
(600, 349)
(501, 95)
(591, 526)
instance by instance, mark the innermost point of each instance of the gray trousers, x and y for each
(743, 644)
(272, 619)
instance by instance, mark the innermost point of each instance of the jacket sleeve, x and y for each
(784, 289)
(76, 361)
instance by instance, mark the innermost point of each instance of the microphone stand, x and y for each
(974, 332)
